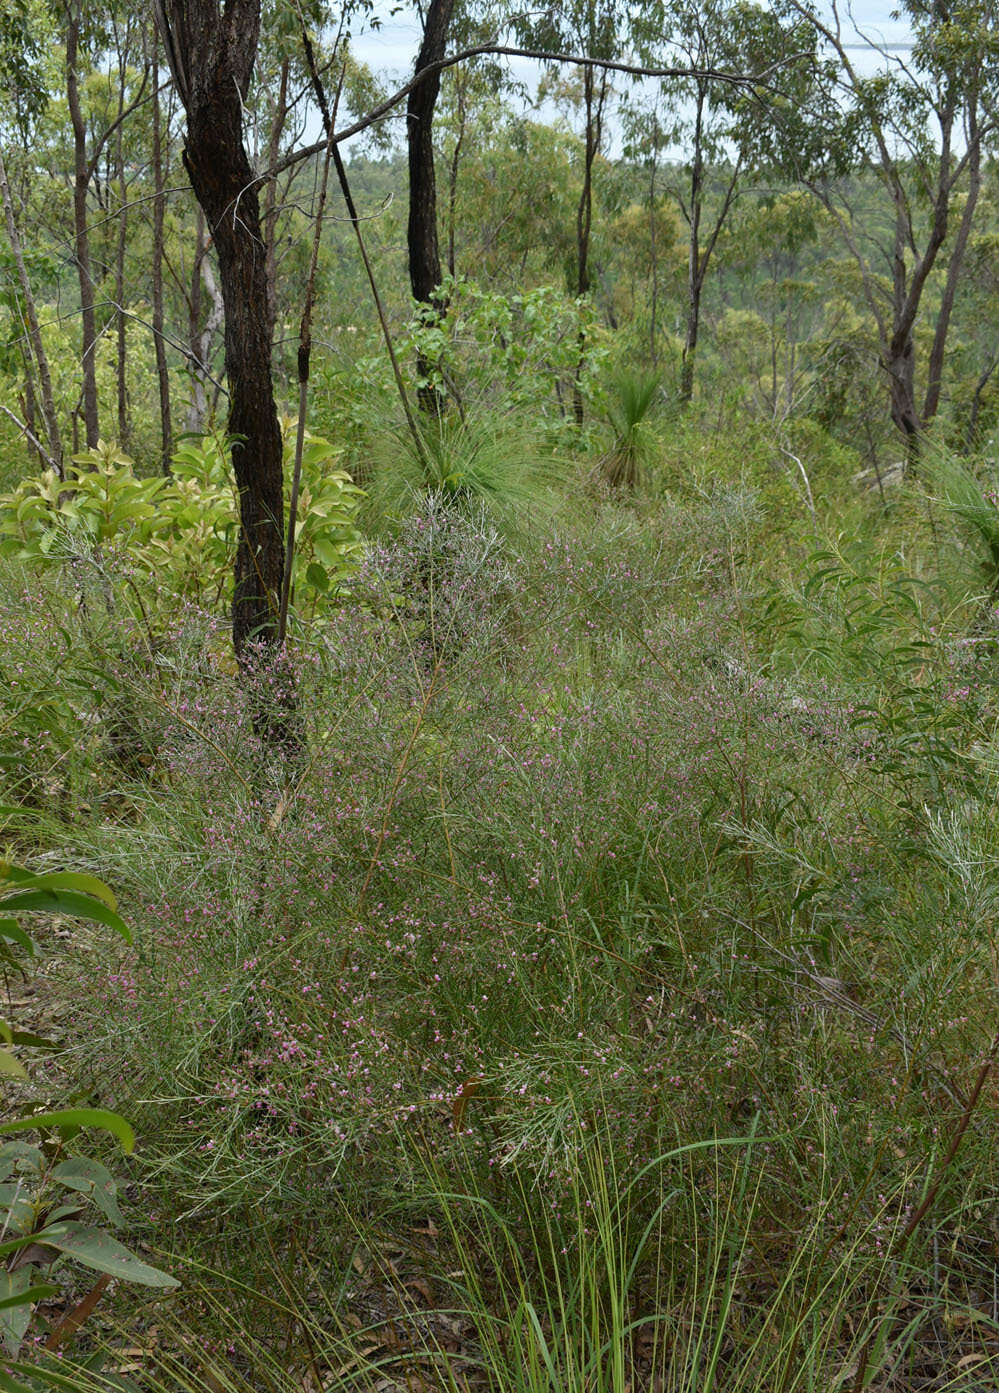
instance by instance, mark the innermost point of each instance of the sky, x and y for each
(390, 51)
(392, 48)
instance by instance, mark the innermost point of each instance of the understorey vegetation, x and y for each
(604, 992)
(499, 867)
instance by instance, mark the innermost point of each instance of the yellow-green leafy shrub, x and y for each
(181, 532)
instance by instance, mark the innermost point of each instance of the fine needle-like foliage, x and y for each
(631, 398)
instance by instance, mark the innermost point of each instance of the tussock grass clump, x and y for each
(471, 463)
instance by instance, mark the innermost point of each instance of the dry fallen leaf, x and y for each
(466, 1091)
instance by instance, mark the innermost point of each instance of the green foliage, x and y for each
(46, 1188)
(975, 502)
(494, 352)
(179, 533)
(596, 998)
(328, 544)
(23, 28)
(624, 847)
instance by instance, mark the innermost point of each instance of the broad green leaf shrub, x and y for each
(179, 534)
(50, 1194)
(521, 351)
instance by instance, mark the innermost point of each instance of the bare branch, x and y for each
(761, 80)
(30, 435)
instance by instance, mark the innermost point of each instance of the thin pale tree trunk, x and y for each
(28, 309)
(654, 266)
(121, 336)
(452, 187)
(270, 210)
(202, 328)
(159, 214)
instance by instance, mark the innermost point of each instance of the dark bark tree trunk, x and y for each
(898, 357)
(594, 97)
(899, 362)
(421, 235)
(211, 53)
(82, 173)
(699, 253)
(954, 267)
(695, 270)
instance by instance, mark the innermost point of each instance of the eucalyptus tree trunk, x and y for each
(201, 326)
(421, 234)
(82, 173)
(594, 97)
(898, 355)
(121, 335)
(653, 262)
(955, 266)
(159, 213)
(452, 186)
(695, 271)
(53, 438)
(211, 53)
(271, 207)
